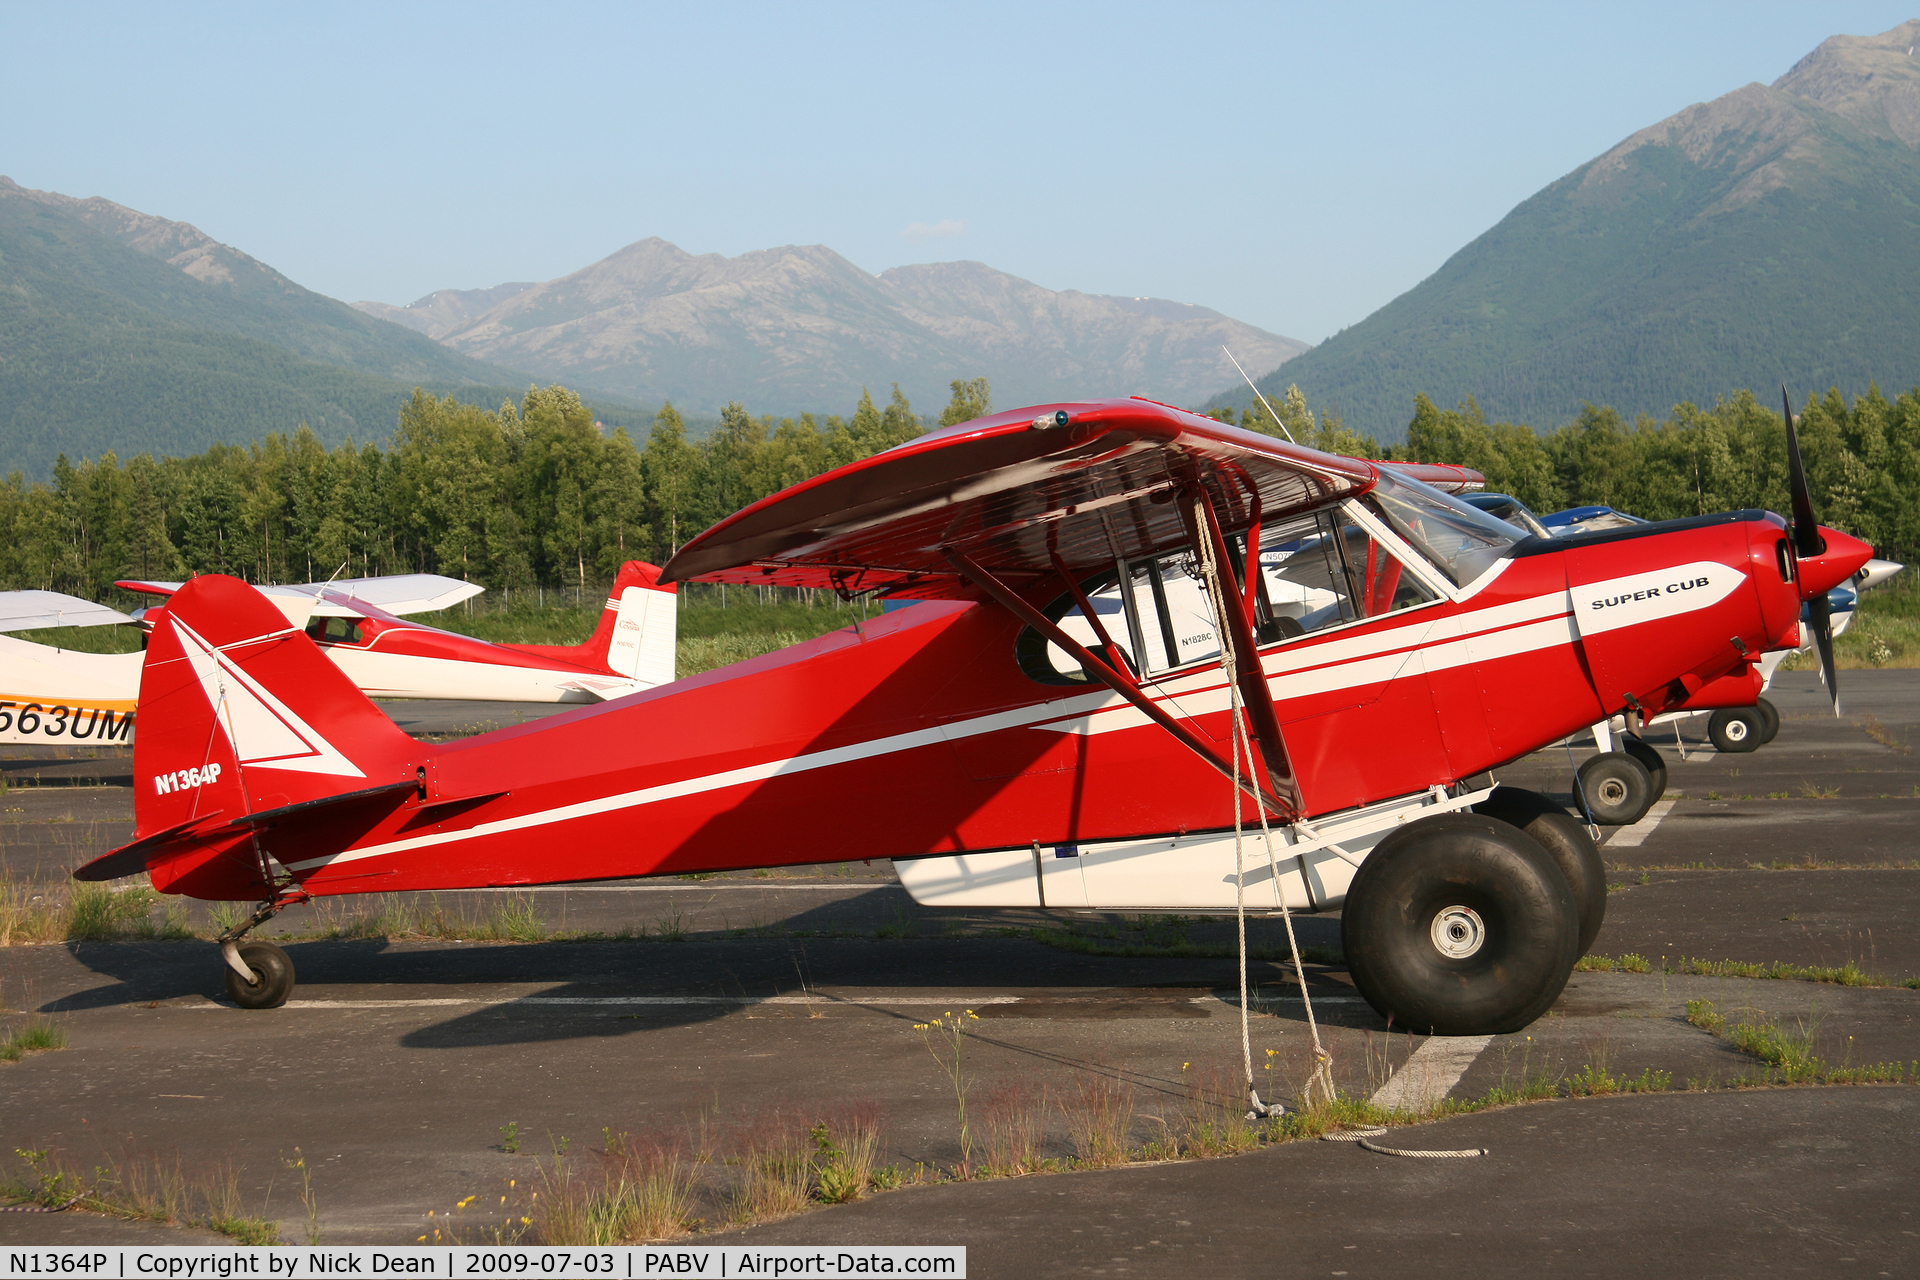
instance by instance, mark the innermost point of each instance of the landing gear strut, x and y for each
(259, 974)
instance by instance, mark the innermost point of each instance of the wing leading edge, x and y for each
(1024, 494)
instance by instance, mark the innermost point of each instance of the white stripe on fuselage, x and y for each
(1521, 626)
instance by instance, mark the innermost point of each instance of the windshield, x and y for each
(1461, 540)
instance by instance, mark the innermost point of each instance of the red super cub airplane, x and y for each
(1051, 727)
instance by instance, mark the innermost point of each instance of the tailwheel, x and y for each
(270, 970)
(1614, 789)
(1460, 925)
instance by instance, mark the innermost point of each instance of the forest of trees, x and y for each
(535, 494)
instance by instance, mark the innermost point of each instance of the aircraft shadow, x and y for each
(806, 956)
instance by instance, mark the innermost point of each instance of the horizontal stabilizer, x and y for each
(131, 859)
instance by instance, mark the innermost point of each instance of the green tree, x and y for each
(972, 398)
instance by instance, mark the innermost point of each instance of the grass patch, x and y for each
(1791, 1054)
(141, 1189)
(38, 1035)
(710, 634)
(87, 911)
(1628, 963)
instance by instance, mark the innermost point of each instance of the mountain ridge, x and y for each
(1761, 236)
(798, 326)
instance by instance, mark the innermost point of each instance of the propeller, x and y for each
(1807, 543)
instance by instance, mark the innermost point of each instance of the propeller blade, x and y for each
(1806, 530)
(1822, 618)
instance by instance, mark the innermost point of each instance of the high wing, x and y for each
(399, 594)
(1072, 489)
(36, 610)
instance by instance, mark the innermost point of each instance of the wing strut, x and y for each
(1107, 675)
(1252, 677)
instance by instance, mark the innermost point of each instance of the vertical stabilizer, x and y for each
(240, 713)
(637, 633)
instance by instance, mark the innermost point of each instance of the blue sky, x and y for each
(1295, 166)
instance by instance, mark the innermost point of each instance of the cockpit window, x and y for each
(1315, 571)
(334, 630)
(1461, 541)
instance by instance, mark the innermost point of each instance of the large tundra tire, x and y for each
(1460, 925)
(1565, 837)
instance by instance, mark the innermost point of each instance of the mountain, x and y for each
(802, 328)
(124, 331)
(1770, 235)
(443, 311)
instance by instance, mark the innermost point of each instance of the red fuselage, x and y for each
(921, 732)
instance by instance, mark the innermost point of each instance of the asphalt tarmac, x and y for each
(707, 1012)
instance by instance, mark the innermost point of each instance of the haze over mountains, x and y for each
(1771, 234)
(800, 327)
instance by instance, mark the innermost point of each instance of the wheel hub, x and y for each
(1612, 791)
(1736, 731)
(1458, 932)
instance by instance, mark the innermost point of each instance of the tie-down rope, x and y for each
(1323, 1061)
(1361, 1135)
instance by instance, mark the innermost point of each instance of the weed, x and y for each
(644, 1191)
(1099, 1115)
(1592, 1081)
(1014, 1115)
(776, 1171)
(671, 927)
(1702, 1014)
(1712, 795)
(307, 1201)
(510, 1137)
(1790, 1053)
(946, 1040)
(143, 1189)
(844, 1169)
(1845, 975)
(1531, 1084)
(1879, 733)
(697, 875)
(1628, 963)
(1215, 1119)
(40, 1033)
(1645, 878)
(1813, 791)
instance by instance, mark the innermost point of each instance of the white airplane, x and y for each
(57, 696)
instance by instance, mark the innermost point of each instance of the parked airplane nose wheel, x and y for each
(1460, 925)
(1616, 789)
(1738, 729)
(274, 973)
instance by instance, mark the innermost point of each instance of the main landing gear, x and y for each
(1466, 923)
(259, 974)
(1616, 788)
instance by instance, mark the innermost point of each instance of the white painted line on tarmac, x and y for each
(1430, 1074)
(1633, 836)
(818, 998)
